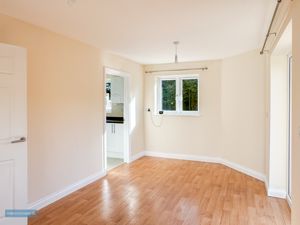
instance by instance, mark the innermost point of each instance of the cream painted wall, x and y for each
(64, 107)
(296, 115)
(267, 109)
(232, 122)
(243, 110)
(278, 124)
(65, 86)
(136, 86)
(194, 135)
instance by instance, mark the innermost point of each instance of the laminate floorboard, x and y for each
(155, 191)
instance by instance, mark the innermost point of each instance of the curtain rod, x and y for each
(270, 27)
(176, 70)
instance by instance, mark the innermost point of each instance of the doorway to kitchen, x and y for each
(116, 119)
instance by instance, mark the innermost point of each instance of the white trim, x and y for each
(289, 201)
(266, 185)
(137, 156)
(127, 123)
(245, 170)
(235, 166)
(289, 127)
(104, 136)
(182, 157)
(179, 80)
(277, 193)
(47, 200)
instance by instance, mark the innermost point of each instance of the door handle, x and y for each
(22, 139)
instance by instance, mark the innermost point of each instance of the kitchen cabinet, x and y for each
(115, 140)
(117, 89)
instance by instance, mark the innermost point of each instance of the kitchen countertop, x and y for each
(113, 119)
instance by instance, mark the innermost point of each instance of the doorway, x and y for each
(116, 119)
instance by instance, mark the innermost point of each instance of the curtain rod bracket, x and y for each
(270, 27)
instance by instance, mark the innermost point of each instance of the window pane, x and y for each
(190, 95)
(168, 95)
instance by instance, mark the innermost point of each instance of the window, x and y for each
(168, 98)
(178, 95)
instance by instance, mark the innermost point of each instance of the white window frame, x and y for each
(178, 79)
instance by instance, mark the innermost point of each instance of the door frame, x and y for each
(289, 175)
(126, 141)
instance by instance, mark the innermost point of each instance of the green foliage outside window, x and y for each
(169, 95)
(188, 91)
(190, 95)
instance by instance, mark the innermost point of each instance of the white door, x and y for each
(13, 133)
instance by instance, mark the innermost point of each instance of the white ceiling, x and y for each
(143, 30)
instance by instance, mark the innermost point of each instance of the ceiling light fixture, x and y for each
(176, 43)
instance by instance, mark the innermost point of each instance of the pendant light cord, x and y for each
(176, 45)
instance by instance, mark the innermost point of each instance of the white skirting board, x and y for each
(136, 156)
(276, 193)
(245, 170)
(250, 172)
(225, 162)
(289, 200)
(47, 200)
(183, 157)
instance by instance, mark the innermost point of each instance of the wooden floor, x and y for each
(154, 191)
